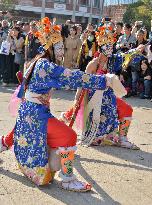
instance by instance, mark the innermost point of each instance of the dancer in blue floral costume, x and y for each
(104, 117)
(43, 144)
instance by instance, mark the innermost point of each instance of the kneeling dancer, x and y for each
(104, 117)
(43, 144)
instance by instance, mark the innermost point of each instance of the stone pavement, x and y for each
(119, 176)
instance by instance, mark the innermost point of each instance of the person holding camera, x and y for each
(88, 48)
(26, 28)
(5, 26)
(135, 63)
(66, 29)
(126, 41)
(87, 32)
(140, 36)
(79, 30)
(117, 33)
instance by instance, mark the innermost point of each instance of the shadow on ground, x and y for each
(138, 157)
(139, 103)
(69, 95)
(69, 198)
(133, 101)
(8, 90)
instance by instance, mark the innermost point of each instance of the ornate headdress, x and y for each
(104, 35)
(105, 39)
(48, 33)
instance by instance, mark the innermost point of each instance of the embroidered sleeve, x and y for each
(115, 63)
(49, 75)
(76, 79)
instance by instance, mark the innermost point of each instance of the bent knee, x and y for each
(71, 138)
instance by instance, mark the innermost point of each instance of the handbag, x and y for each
(18, 58)
(5, 48)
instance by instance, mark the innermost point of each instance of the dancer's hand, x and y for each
(109, 78)
(116, 85)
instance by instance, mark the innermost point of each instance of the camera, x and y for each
(140, 23)
(4, 12)
(107, 19)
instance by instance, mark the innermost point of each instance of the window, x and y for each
(84, 2)
(96, 3)
(60, 1)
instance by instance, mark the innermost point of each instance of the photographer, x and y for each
(137, 26)
(140, 38)
(87, 50)
(126, 41)
(5, 26)
(79, 30)
(117, 33)
(26, 28)
(66, 29)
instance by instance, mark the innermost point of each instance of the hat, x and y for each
(104, 35)
(48, 33)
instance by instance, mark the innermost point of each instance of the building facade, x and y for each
(116, 12)
(85, 10)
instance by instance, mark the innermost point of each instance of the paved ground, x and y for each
(119, 176)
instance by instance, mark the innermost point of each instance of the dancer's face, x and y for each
(107, 49)
(59, 51)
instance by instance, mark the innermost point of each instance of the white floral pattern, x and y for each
(30, 136)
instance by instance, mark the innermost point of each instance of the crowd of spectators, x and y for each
(80, 47)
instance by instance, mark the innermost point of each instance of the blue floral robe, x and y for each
(30, 144)
(108, 121)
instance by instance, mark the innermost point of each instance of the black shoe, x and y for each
(144, 97)
(128, 95)
(5, 84)
(133, 93)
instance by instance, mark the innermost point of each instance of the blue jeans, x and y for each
(135, 79)
(147, 87)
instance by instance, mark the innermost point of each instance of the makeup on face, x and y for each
(107, 49)
(59, 51)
